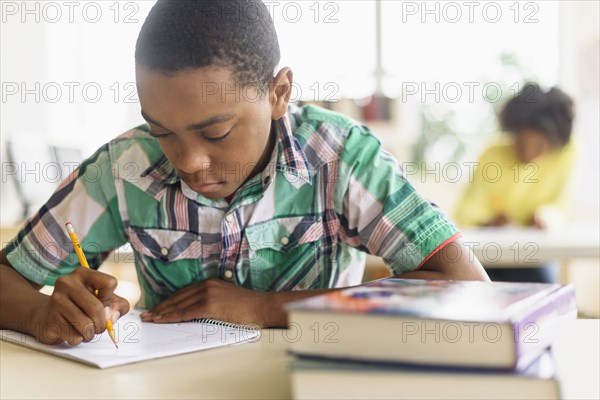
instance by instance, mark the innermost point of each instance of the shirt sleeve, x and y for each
(42, 250)
(381, 212)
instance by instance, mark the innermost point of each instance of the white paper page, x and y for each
(140, 341)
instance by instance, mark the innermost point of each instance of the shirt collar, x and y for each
(162, 171)
(291, 159)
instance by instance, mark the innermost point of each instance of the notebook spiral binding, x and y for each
(225, 324)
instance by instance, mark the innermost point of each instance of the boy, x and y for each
(234, 202)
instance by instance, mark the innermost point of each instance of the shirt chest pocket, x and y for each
(285, 254)
(166, 245)
(168, 260)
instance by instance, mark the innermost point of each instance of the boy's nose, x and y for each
(193, 159)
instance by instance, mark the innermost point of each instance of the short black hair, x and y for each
(239, 35)
(550, 112)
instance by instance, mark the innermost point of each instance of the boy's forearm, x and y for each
(276, 317)
(18, 301)
(465, 274)
(466, 268)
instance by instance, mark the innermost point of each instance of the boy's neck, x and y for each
(266, 156)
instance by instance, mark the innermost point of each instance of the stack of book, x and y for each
(401, 338)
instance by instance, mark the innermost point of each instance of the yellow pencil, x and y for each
(82, 260)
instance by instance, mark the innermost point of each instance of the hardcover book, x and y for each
(327, 379)
(498, 325)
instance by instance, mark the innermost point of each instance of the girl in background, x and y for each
(523, 179)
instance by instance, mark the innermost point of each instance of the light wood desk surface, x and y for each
(529, 247)
(250, 371)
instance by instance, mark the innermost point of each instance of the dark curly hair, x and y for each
(549, 112)
(187, 34)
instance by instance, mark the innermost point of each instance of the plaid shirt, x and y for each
(328, 194)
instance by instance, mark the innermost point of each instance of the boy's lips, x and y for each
(206, 187)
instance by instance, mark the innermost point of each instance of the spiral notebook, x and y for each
(141, 341)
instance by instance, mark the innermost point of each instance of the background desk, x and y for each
(531, 247)
(250, 371)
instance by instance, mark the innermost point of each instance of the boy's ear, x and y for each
(280, 91)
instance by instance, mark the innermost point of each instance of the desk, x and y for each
(257, 371)
(530, 247)
(521, 247)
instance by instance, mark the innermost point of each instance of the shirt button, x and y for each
(228, 274)
(229, 218)
(267, 180)
(284, 240)
(164, 251)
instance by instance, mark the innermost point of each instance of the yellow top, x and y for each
(501, 184)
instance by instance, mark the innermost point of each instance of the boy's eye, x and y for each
(159, 135)
(219, 138)
(210, 139)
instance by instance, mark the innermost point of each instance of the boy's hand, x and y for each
(73, 313)
(214, 299)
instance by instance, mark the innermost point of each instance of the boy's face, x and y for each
(213, 131)
(530, 144)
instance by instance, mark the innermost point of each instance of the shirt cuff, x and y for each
(441, 246)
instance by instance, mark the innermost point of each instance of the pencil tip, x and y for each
(111, 333)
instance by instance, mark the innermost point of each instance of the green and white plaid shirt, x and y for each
(328, 194)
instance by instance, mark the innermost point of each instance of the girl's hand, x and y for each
(499, 220)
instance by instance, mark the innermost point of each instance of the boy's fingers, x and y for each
(98, 283)
(163, 308)
(182, 305)
(120, 304)
(110, 314)
(180, 297)
(58, 332)
(146, 316)
(190, 289)
(78, 326)
(115, 316)
(106, 285)
(168, 303)
(117, 308)
(90, 306)
(75, 340)
(178, 315)
(163, 311)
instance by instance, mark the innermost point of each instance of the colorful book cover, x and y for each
(443, 300)
(532, 314)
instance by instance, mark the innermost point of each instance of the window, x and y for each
(456, 62)
(330, 46)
